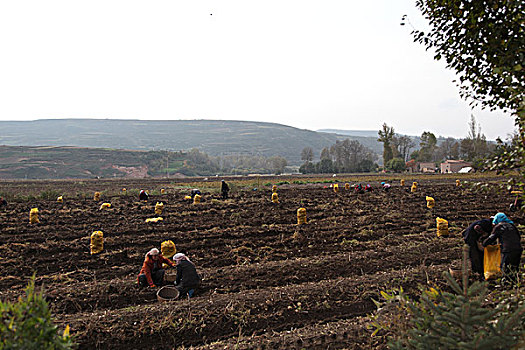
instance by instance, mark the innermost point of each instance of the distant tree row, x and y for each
(474, 147)
(195, 162)
(347, 156)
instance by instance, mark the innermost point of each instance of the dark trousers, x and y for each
(224, 194)
(476, 260)
(184, 289)
(510, 265)
(157, 276)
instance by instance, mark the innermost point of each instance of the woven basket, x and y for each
(167, 293)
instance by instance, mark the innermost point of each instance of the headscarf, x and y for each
(180, 256)
(153, 251)
(500, 217)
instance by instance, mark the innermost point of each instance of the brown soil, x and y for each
(268, 282)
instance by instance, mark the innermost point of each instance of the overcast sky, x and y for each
(340, 64)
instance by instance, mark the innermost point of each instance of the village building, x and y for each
(454, 166)
(427, 167)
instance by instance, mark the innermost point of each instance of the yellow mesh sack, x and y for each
(347, 186)
(301, 216)
(97, 242)
(33, 216)
(430, 202)
(402, 182)
(491, 262)
(458, 183)
(124, 190)
(275, 197)
(159, 207)
(442, 227)
(96, 196)
(197, 199)
(187, 197)
(162, 191)
(336, 188)
(274, 188)
(60, 199)
(414, 187)
(154, 219)
(168, 249)
(105, 206)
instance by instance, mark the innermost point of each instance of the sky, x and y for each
(337, 64)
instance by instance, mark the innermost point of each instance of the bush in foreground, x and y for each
(27, 324)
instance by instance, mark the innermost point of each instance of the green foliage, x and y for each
(483, 42)
(459, 319)
(396, 165)
(386, 136)
(428, 146)
(50, 195)
(27, 324)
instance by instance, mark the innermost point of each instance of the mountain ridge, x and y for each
(214, 137)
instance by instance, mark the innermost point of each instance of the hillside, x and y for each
(17, 162)
(214, 137)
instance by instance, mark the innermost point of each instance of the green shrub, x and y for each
(27, 324)
(50, 195)
(461, 319)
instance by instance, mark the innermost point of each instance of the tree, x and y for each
(446, 149)
(27, 324)
(307, 154)
(348, 154)
(428, 145)
(325, 166)
(403, 144)
(459, 317)
(278, 164)
(325, 154)
(385, 136)
(483, 41)
(396, 165)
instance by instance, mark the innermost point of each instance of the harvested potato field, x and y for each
(268, 282)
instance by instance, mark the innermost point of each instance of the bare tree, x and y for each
(307, 154)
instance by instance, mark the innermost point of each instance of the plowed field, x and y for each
(269, 283)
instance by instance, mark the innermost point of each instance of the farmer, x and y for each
(385, 186)
(3, 202)
(143, 195)
(224, 189)
(187, 279)
(473, 235)
(358, 188)
(509, 238)
(368, 188)
(152, 273)
(194, 192)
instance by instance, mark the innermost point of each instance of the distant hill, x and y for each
(360, 133)
(214, 137)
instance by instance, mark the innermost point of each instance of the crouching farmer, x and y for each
(187, 280)
(152, 273)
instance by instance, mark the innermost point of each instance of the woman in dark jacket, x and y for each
(472, 235)
(510, 240)
(187, 279)
(224, 189)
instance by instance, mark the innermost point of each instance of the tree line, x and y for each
(347, 156)
(350, 156)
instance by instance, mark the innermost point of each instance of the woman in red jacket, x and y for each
(152, 273)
